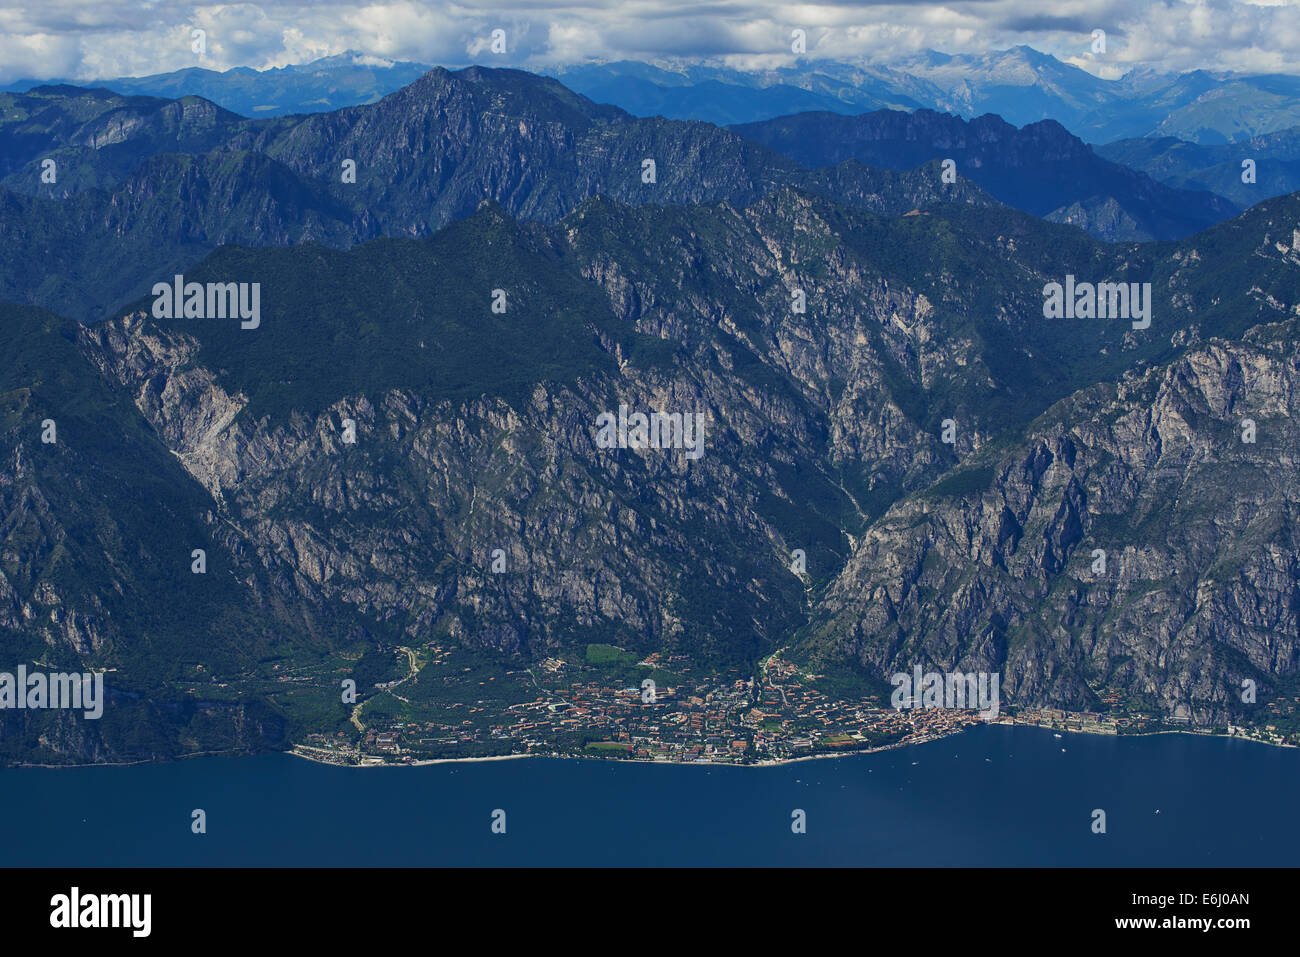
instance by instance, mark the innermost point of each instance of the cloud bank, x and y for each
(89, 39)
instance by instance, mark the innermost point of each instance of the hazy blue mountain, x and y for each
(1041, 168)
(1020, 84)
(345, 79)
(1185, 165)
(724, 96)
(1024, 86)
(1213, 109)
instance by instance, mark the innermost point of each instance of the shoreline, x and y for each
(766, 763)
(779, 762)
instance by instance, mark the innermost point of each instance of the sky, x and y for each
(101, 39)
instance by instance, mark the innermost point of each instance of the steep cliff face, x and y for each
(480, 429)
(403, 524)
(1140, 538)
(477, 431)
(355, 462)
(100, 529)
(679, 548)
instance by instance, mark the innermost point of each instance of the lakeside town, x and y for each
(567, 708)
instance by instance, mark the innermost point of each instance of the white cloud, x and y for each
(94, 39)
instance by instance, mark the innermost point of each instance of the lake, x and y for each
(993, 796)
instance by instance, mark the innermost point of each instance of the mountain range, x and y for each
(1041, 169)
(1020, 84)
(869, 350)
(423, 156)
(110, 223)
(330, 83)
(1219, 169)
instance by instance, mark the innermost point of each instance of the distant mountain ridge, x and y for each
(330, 83)
(1019, 84)
(1041, 168)
(1184, 165)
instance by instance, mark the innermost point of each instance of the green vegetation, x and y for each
(606, 656)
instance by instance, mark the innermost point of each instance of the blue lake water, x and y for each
(994, 796)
